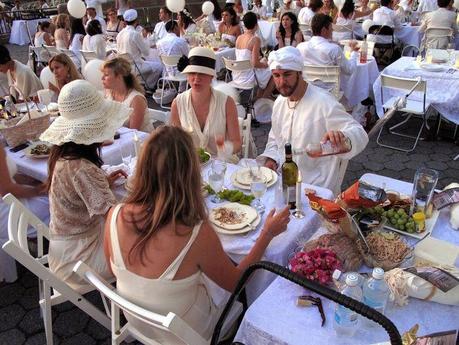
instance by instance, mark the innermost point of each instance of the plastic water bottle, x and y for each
(346, 320)
(376, 291)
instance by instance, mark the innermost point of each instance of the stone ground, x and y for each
(20, 321)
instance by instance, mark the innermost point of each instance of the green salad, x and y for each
(203, 155)
(232, 195)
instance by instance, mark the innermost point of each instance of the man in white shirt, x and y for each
(444, 17)
(91, 14)
(172, 44)
(129, 41)
(385, 15)
(165, 15)
(305, 114)
(320, 51)
(427, 6)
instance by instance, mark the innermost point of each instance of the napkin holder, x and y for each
(28, 128)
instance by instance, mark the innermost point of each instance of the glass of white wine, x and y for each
(258, 188)
(216, 178)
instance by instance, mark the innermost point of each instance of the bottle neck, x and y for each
(288, 157)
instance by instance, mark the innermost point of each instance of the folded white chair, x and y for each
(52, 290)
(170, 61)
(326, 77)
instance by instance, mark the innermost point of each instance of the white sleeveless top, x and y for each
(147, 124)
(188, 297)
(39, 39)
(229, 37)
(215, 122)
(247, 78)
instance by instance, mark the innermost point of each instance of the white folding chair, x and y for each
(326, 77)
(52, 290)
(242, 66)
(74, 57)
(169, 62)
(343, 31)
(438, 38)
(412, 107)
(159, 116)
(135, 68)
(410, 50)
(88, 55)
(51, 50)
(245, 126)
(169, 327)
(306, 31)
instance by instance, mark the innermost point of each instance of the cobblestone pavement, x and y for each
(20, 321)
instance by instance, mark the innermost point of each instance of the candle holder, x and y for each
(299, 214)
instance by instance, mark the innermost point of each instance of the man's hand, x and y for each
(354, 46)
(271, 164)
(337, 138)
(115, 176)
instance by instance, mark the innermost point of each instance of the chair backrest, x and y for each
(41, 53)
(381, 30)
(328, 75)
(52, 50)
(88, 55)
(438, 32)
(436, 37)
(159, 115)
(342, 28)
(169, 325)
(237, 66)
(410, 50)
(70, 53)
(404, 84)
(170, 60)
(245, 126)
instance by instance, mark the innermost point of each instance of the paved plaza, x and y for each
(20, 321)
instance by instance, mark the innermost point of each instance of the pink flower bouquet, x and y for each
(318, 265)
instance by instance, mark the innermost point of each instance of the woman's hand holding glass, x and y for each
(258, 188)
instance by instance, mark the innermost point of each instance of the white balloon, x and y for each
(175, 5)
(367, 24)
(339, 4)
(208, 8)
(92, 72)
(46, 76)
(76, 8)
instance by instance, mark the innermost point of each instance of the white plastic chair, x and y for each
(327, 77)
(242, 66)
(74, 57)
(170, 61)
(412, 107)
(52, 290)
(169, 326)
(52, 50)
(88, 55)
(245, 126)
(344, 31)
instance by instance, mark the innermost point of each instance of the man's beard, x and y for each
(292, 89)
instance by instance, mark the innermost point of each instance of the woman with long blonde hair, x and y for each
(64, 71)
(122, 85)
(160, 243)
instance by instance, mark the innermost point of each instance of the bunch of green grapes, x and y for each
(399, 219)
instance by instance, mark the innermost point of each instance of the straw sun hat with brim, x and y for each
(200, 60)
(85, 116)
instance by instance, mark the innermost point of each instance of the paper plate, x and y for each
(28, 150)
(263, 109)
(252, 226)
(247, 186)
(244, 176)
(433, 67)
(247, 215)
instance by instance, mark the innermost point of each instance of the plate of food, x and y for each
(38, 149)
(243, 177)
(233, 216)
(204, 157)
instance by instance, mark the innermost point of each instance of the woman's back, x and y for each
(176, 287)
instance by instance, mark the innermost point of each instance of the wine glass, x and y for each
(44, 97)
(258, 189)
(216, 178)
(126, 152)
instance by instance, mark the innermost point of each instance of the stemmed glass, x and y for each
(258, 189)
(126, 152)
(216, 178)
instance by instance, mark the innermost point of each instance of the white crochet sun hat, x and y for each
(85, 116)
(201, 60)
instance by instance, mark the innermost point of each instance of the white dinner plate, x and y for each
(239, 185)
(245, 229)
(433, 67)
(247, 214)
(244, 176)
(28, 150)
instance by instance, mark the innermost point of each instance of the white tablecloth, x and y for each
(442, 88)
(274, 317)
(358, 85)
(238, 246)
(111, 154)
(19, 34)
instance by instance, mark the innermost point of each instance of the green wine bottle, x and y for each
(289, 177)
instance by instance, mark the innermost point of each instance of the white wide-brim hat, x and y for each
(85, 116)
(201, 60)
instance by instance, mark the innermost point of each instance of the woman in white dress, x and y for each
(32, 194)
(229, 28)
(209, 115)
(161, 247)
(77, 33)
(79, 190)
(123, 86)
(43, 36)
(248, 48)
(61, 35)
(94, 40)
(186, 23)
(289, 33)
(114, 24)
(346, 17)
(64, 71)
(260, 10)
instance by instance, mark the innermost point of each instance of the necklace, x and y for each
(295, 103)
